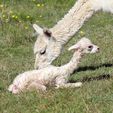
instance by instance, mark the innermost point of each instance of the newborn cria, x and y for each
(51, 75)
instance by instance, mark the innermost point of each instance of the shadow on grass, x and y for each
(93, 67)
(89, 79)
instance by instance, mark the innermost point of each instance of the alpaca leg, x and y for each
(37, 86)
(69, 85)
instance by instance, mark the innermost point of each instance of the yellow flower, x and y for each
(26, 27)
(28, 17)
(42, 5)
(16, 17)
(3, 16)
(13, 16)
(81, 32)
(38, 5)
(1, 6)
(40, 16)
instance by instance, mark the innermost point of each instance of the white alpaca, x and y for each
(49, 44)
(51, 75)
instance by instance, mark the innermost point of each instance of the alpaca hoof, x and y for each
(13, 89)
(10, 88)
(78, 84)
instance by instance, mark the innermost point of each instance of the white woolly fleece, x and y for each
(105, 5)
(52, 75)
(68, 26)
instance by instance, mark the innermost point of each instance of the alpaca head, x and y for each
(46, 47)
(85, 46)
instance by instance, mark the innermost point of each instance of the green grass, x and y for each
(16, 56)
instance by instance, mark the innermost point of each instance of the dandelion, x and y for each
(28, 17)
(40, 16)
(13, 16)
(26, 27)
(42, 5)
(16, 17)
(3, 16)
(81, 32)
(38, 5)
(1, 6)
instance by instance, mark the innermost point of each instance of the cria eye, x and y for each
(90, 47)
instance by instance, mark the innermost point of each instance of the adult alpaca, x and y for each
(49, 43)
(52, 75)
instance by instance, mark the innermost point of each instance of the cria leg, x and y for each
(37, 86)
(69, 85)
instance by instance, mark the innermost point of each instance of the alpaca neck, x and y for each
(73, 64)
(72, 21)
(77, 15)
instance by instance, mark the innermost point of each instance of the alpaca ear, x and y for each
(74, 47)
(38, 29)
(47, 32)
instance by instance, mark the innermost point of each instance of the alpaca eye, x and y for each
(42, 52)
(90, 47)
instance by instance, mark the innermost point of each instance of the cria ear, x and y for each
(38, 29)
(47, 32)
(74, 47)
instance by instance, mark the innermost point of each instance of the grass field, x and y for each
(16, 56)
